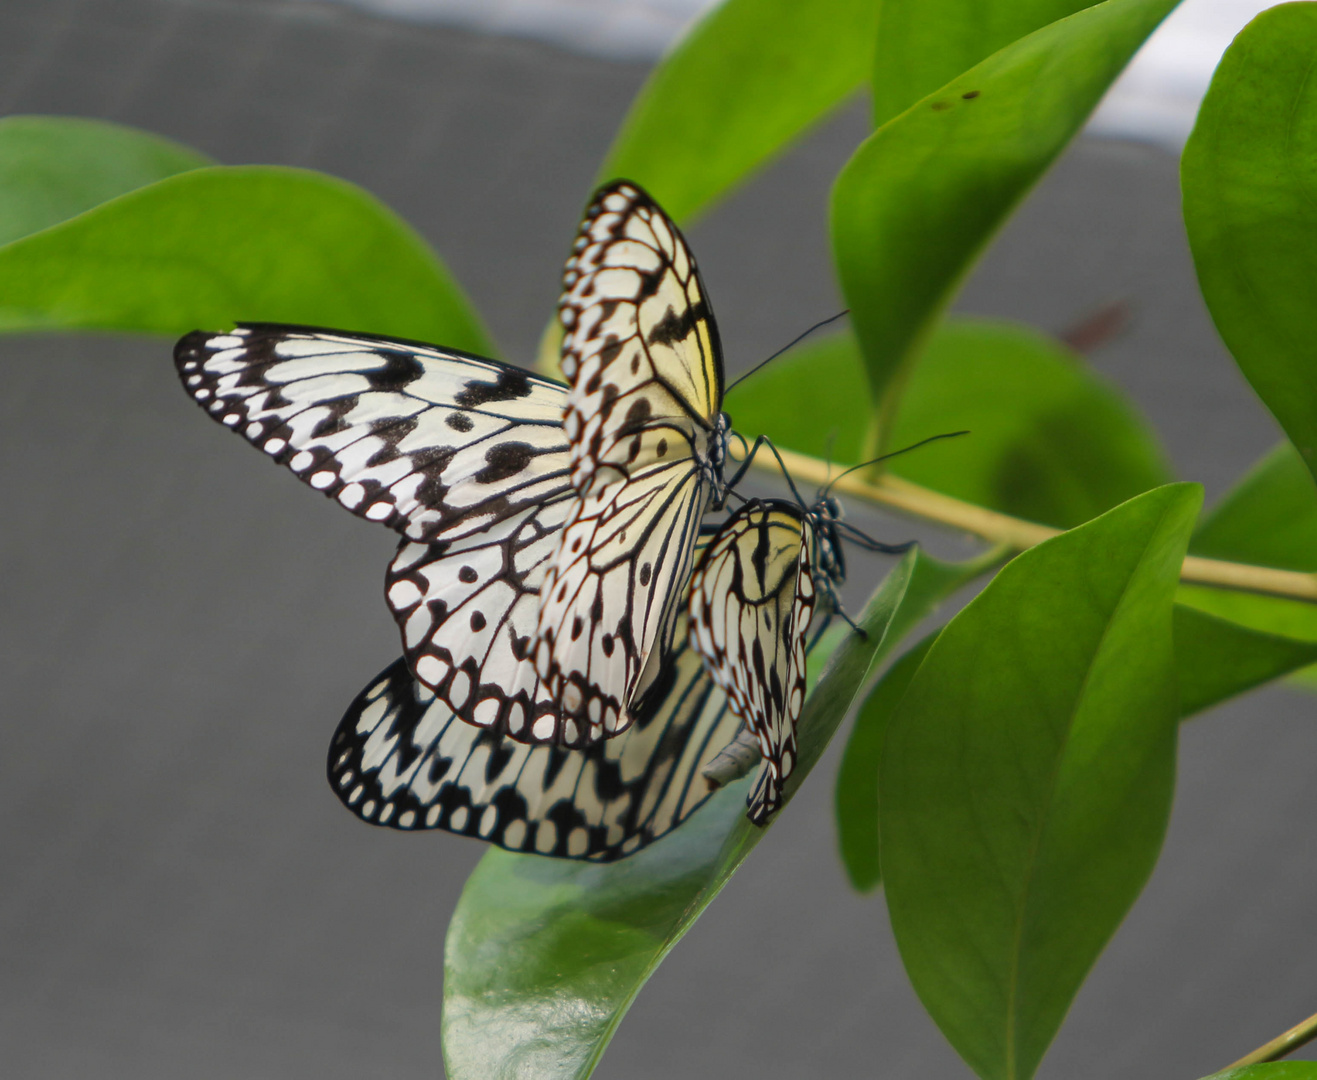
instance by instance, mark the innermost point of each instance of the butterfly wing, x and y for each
(400, 758)
(643, 416)
(751, 603)
(465, 457)
(431, 442)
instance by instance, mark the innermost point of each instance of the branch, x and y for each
(928, 505)
(1281, 1045)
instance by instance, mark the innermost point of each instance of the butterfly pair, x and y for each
(548, 538)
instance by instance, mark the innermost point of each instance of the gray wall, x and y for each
(183, 624)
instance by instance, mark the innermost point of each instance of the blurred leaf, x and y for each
(749, 78)
(922, 196)
(815, 399)
(1027, 775)
(1218, 659)
(1049, 440)
(1272, 1070)
(53, 167)
(252, 243)
(1269, 518)
(544, 956)
(1249, 176)
(923, 44)
(857, 779)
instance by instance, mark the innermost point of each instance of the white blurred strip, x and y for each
(1156, 99)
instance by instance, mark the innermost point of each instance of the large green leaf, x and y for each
(1249, 176)
(856, 796)
(1268, 518)
(750, 77)
(53, 167)
(544, 957)
(922, 196)
(925, 43)
(1215, 659)
(1049, 440)
(1027, 775)
(253, 243)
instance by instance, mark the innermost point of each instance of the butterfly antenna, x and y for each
(892, 454)
(796, 341)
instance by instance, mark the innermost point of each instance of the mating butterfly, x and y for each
(648, 442)
(752, 598)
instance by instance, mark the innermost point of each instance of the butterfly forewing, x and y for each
(400, 758)
(643, 417)
(751, 603)
(428, 441)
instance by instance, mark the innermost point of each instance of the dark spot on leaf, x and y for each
(459, 421)
(938, 106)
(969, 95)
(468, 574)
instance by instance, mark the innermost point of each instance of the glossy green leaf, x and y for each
(1249, 177)
(856, 794)
(544, 957)
(1293, 619)
(1272, 1070)
(213, 246)
(748, 79)
(922, 196)
(1268, 518)
(1026, 778)
(923, 44)
(1049, 440)
(1218, 659)
(54, 167)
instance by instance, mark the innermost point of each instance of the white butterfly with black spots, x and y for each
(752, 599)
(648, 442)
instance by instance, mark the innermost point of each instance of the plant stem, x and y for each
(1281, 1045)
(928, 505)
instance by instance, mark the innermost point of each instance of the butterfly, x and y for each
(474, 462)
(400, 758)
(752, 599)
(648, 444)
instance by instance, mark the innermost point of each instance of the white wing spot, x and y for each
(458, 821)
(322, 479)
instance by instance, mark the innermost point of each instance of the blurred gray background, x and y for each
(183, 624)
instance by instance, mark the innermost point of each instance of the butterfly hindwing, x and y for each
(751, 602)
(643, 418)
(400, 758)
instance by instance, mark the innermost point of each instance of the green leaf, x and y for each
(749, 78)
(54, 167)
(1027, 775)
(1269, 518)
(921, 197)
(1272, 1070)
(923, 44)
(1294, 619)
(1249, 178)
(544, 957)
(1049, 440)
(1217, 658)
(213, 246)
(857, 779)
